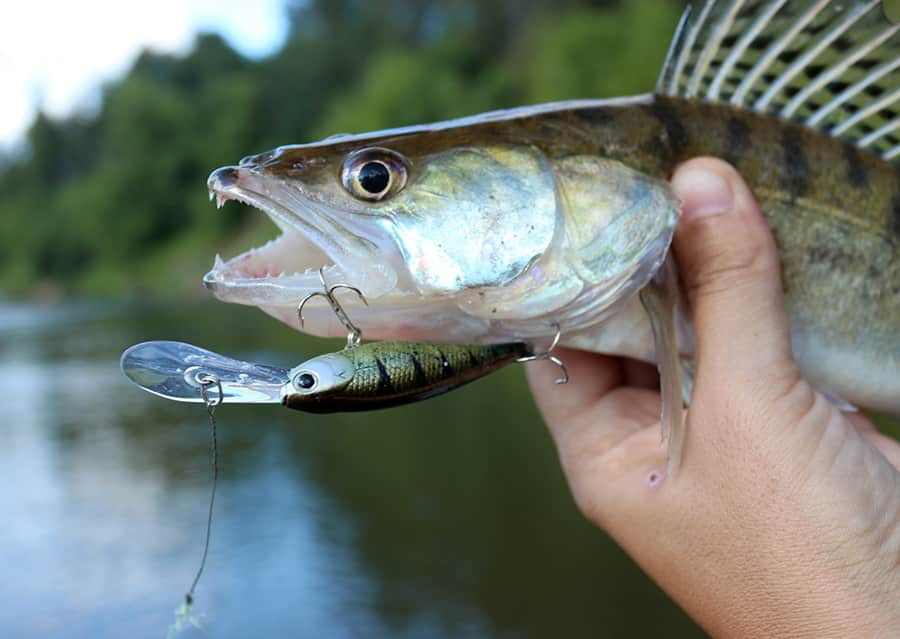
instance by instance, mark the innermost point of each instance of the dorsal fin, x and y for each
(832, 65)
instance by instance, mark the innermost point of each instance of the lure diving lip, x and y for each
(175, 370)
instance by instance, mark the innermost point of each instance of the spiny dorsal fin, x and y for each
(832, 65)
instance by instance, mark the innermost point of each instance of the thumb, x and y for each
(729, 265)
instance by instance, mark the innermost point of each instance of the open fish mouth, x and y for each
(311, 245)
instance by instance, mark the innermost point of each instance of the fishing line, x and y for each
(183, 616)
(207, 381)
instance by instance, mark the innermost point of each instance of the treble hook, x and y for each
(547, 355)
(354, 335)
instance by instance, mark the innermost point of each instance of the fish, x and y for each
(521, 223)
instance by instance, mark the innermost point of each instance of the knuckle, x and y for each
(578, 467)
(785, 389)
(587, 503)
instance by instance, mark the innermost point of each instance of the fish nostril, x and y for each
(260, 159)
(224, 177)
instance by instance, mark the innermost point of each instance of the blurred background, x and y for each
(445, 519)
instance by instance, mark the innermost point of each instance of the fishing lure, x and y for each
(367, 377)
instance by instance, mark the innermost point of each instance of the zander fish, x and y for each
(514, 224)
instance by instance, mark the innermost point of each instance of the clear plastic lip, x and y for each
(178, 371)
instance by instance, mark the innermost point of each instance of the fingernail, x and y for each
(704, 193)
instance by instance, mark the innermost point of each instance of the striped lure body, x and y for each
(383, 374)
(508, 225)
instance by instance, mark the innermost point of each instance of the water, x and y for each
(449, 518)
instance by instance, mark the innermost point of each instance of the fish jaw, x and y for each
(313, 245)
(317, 244)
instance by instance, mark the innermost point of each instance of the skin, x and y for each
(784, 519)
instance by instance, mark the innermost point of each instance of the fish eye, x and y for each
(374, 174)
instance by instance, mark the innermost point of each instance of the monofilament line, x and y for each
(207, 381)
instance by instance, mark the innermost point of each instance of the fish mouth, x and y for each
(312, 247)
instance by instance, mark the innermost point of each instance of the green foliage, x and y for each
(117, 202)
(402, 88)
(567, 63)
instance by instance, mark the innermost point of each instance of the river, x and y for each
(449, 518)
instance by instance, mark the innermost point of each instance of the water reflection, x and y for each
(445, 519)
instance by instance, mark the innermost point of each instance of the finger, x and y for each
(860, 422)
(607, 434)
(729, 265)
(590, 377)
(888, 446)
(640, 374)
(608, 451)
(586, 416)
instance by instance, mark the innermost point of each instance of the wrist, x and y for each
(851, 602)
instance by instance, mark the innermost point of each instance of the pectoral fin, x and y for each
(659, 299)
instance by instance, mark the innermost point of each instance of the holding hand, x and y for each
(784, 518)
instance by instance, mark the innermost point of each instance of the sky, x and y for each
(54, 56)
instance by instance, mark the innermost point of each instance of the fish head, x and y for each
(450, 236)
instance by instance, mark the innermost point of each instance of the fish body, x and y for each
(515, 224)
(383, 374)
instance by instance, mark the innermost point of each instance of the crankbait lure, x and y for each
(367, 377)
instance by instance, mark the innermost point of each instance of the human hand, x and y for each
(784, 517)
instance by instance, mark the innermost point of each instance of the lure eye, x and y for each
(318, 377)
(304, 381)
(374, 174)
